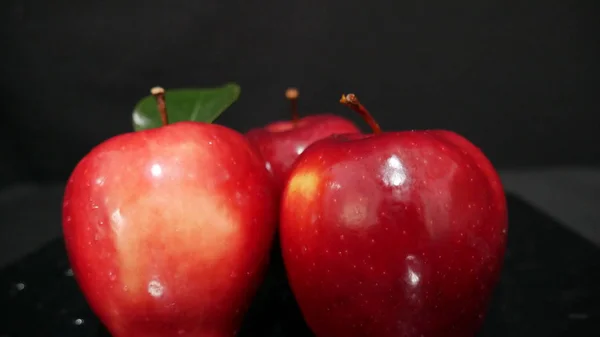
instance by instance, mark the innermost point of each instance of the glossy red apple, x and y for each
(168, 230)
(280, 143)
(393, 233)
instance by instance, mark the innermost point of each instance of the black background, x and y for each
(518, 78)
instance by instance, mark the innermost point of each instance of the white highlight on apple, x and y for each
(116, 220)
(413, 278)
(156, 170)
(394, 173)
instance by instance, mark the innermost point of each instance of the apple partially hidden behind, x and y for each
(168, 230)
(393, 233)
(280, 143)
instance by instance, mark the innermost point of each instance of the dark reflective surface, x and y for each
(549, 287)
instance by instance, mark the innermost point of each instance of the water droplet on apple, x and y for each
(304, 248)
(182, 331)
(233, 274)
(342, 237)
(155, 288)
(100, 181)
(112, 276)
(68, 219)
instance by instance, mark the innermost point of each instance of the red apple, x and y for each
(168, 230)
(280, 143)
(393, 233)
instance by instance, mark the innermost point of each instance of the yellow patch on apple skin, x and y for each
(166, 234)
(304, 185)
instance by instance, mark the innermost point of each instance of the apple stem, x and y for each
(353, 103)
(159, 94)
(292, 95)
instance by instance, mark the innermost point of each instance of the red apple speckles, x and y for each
(393, 234)
(168, 230)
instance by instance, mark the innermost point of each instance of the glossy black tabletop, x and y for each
(550, 287)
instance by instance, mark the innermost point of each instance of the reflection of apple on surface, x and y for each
(280, 143)
(168, 230)
(393, 233)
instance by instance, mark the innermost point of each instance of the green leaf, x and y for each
(186, 104)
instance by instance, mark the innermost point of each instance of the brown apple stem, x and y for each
(353, 103)
(292, 95)
(159, 94)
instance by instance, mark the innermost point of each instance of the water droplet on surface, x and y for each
(78, 321)
(20, 286)
(69, 272)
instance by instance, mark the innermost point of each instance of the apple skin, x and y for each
(394, 234)
(280, 143)
(168, 230)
